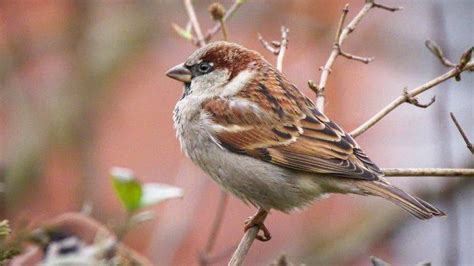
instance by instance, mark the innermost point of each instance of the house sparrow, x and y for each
(260, 138)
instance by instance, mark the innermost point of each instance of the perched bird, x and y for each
(260, 138)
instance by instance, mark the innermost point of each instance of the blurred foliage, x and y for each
(96, 50)
(63, 247)
(7, 249)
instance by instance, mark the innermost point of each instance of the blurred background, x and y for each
(82, 89)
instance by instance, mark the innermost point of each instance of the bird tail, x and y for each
(414, 205)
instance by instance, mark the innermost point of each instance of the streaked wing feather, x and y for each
(283, 127)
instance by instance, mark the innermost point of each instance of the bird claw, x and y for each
(256, 221)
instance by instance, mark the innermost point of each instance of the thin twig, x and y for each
(463, 134)
(216, 225)
(224, 30)
(244, 246)
(436, 50)
(200, 40)
(364, 60)
(404, 98)
(267, 45)
(277, 48)
(340, 26)
(194, 21)
(428, 172)
(388, 8)
(341, 36)
(283, 45)
(222, 255)
(414, 101)
(247, 240)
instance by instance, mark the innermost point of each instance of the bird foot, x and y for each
(257, 220)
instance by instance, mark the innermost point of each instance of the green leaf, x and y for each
(154, 193)
(128, 188)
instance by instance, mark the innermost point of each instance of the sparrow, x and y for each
(260, 138)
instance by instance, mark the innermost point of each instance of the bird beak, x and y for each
(179, 72)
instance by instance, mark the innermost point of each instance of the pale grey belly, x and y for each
(260, 183)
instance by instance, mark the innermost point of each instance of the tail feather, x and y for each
(414, 205)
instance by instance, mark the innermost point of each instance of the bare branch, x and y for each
(403, 98)
(277, 48)
(200, 40)
(218, 257)
(250, 235)
(337, 44)
(216, 225)
(364, 60)
(388, 8)
(414, 101)
(282, 46)
(341, 36)
(436, 50)
(463, 134)
(428, 172)
(244, 246)
(272, 49)
(194, 21)
(345, 10)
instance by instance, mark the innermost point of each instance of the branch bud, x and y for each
(217, 11)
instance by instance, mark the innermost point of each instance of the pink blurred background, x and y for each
(83, 90)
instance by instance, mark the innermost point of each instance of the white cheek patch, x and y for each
(237, 83)
(209, 85)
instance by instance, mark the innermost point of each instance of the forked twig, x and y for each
(200, 40)
(463, 134)
(341, 35)
(337, 40)
(194, 22)
(434, 48)
(406, 96)
(414, 101)
(277, 48)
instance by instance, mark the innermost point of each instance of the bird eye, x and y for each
(204, 67)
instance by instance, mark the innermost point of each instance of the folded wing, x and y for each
(277, 124)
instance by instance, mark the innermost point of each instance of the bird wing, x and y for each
(274, 122)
